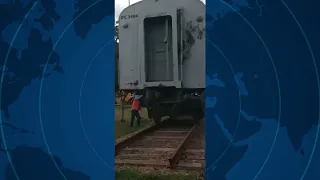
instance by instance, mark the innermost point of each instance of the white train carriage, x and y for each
(162, 55)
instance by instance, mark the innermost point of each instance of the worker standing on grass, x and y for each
(135, 108)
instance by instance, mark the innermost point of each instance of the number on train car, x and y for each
(131, 16)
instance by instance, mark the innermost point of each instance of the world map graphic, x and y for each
(262, 93)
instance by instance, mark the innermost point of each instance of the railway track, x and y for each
(170, 145)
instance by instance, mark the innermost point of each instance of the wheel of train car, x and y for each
(203, 102)
(197, 116)
(196, 119)
(149, 112)
(156, 113)
(157, 120)
(175, 110)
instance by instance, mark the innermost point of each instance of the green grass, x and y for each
(136, 175)
(123, 128)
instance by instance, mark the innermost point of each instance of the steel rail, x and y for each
(121, 144)
(174, 159)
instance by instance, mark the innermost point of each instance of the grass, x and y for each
(123, 128)
(132, 174)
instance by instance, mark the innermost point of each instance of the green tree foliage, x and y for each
(116, 48)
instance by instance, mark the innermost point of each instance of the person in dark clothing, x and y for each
(135, 108)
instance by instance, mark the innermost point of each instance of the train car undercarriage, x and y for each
(173, 102)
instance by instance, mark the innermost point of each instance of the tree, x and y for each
(119, 93)
(116, 48)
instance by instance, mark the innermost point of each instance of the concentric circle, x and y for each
(80, 111)
(2, 78)
(278, 84)
(318, 83)
(41, 84)
(238, 121)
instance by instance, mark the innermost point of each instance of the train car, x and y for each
(162, 56)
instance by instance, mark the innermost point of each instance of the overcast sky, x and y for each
(121, 4)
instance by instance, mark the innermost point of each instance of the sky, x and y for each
(121, 4)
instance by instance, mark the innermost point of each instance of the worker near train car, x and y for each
(135, 108)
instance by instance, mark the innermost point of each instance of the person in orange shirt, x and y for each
(135, 108)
